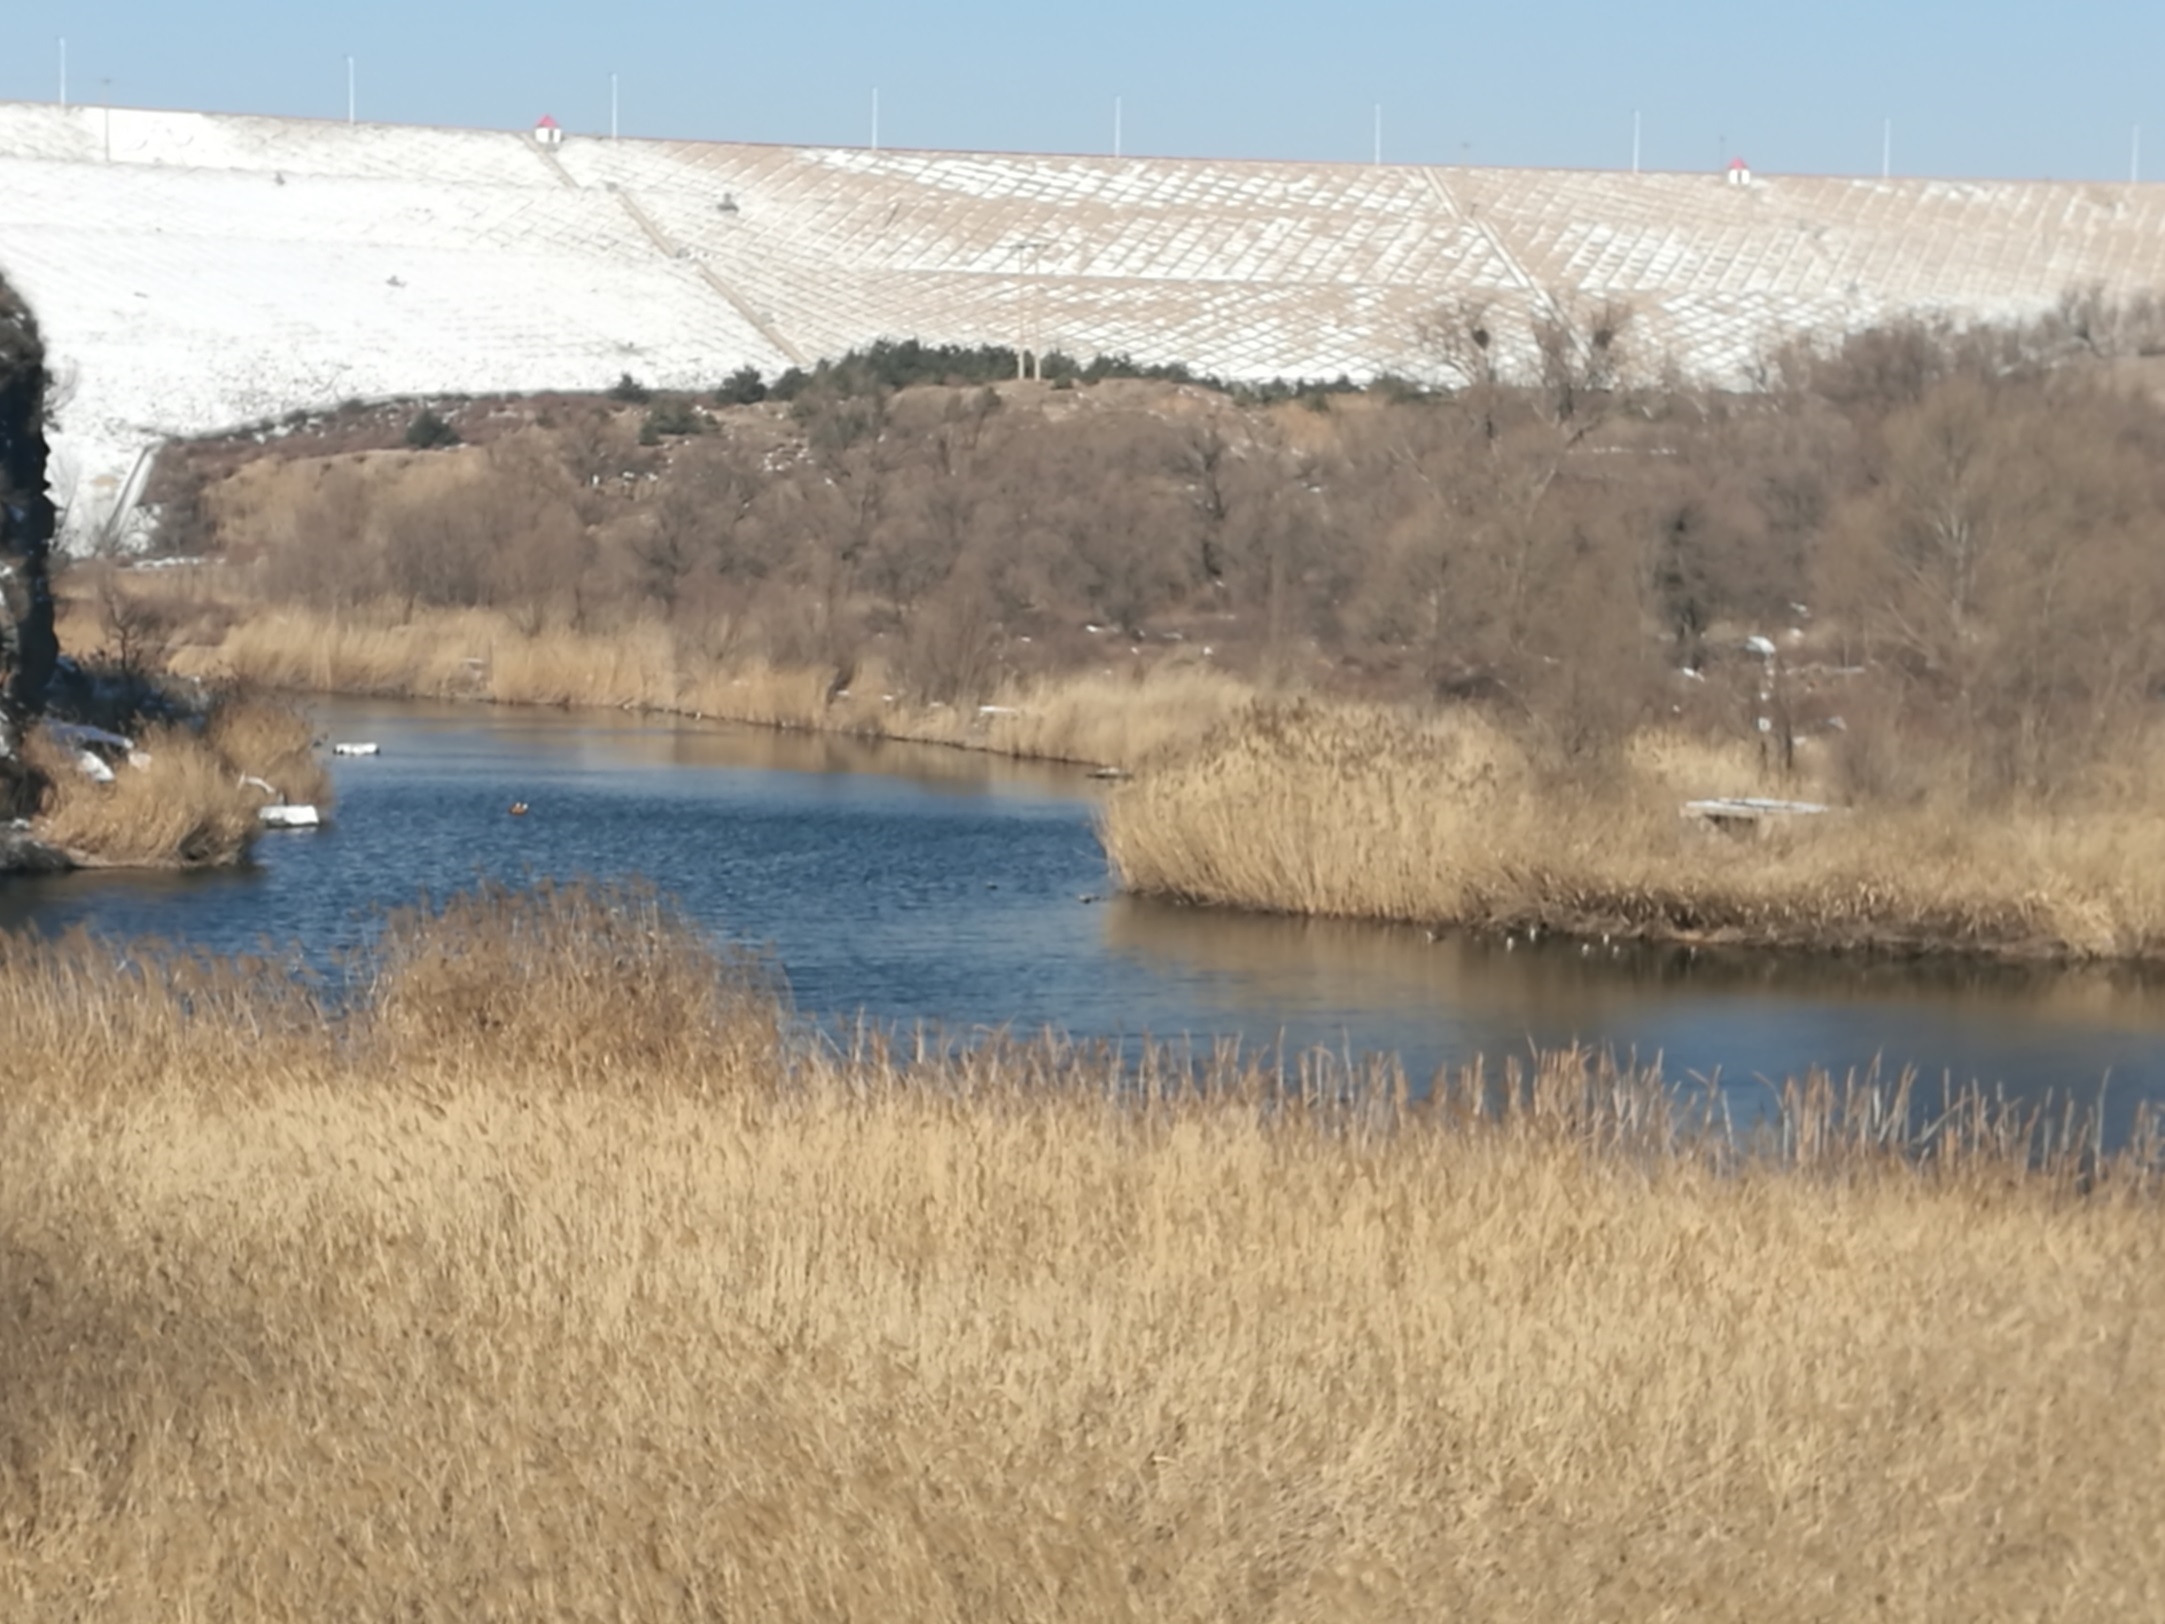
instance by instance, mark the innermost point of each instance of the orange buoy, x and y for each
(518, 809)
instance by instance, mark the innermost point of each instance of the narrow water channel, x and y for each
(923, 886)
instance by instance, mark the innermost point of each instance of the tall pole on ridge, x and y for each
(1886, 149)
(1379, 132)
(612, 107)
(1116, 126)
(875, 118)
(1634, 141)
(2134, 157)
(63, 73)
(350, 106)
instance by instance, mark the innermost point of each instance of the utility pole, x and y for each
(1116, 126)
(875, 118)
(63, 73)
(350, 106)
(612, 107)
(1379, 132)
(2134, 157)
(105, 87)
(1886, 149)
(1634, 143)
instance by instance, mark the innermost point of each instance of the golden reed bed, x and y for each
(1370, 813)
(1322, 807)
(184, 797)
(562, 1277)
(1104, 719)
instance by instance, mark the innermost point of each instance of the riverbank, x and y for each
(556, 1280)
(186, 792)
(1365, 813)
(1433, 816)
(1118, 717)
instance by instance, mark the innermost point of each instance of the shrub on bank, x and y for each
(177, 803)
(181, 798)
(428, 432)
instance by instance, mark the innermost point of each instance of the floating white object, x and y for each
(289, 817)
(356, 749)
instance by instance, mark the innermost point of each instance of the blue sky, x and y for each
(1997, 88)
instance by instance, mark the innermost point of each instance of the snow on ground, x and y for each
(196, 271)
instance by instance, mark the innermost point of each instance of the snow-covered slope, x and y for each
(196, 271)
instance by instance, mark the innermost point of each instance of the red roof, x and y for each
(548, 122)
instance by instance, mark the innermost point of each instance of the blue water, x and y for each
(927, 887)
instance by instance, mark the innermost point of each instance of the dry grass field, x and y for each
(560, 1278)
(1383, 814)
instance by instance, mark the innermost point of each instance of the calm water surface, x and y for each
(929, 886)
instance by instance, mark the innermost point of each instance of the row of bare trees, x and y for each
(1973, 521)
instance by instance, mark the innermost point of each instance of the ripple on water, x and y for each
(917, 885)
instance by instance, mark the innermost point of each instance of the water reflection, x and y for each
(505, 738)
(1749, 1021)
(1335, 963)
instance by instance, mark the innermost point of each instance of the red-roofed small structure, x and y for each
(548, 132)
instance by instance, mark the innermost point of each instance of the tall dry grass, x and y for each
(269, 739)
(183, 805)
(1105, 720)
(468, 1306)
(182, 797)
(1375, 813)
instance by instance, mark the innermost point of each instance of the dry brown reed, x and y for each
(182, 797)
(178, 801)
(439, 1310)
(1440, 820)
(571, 984)
(1116, 720)
(271, 740)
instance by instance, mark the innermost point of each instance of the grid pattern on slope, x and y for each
(1984, 249)
(916, 234)
(1141, 219)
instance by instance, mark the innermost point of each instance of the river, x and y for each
(911, 885)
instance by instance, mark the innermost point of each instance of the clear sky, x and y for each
(2012, 88)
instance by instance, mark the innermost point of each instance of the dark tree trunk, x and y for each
(28, 647)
